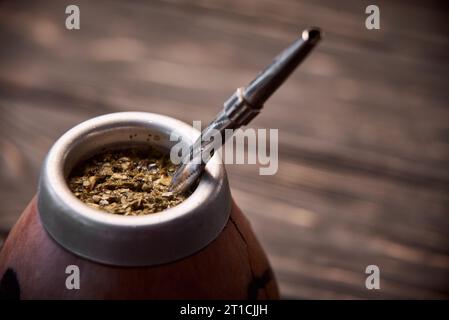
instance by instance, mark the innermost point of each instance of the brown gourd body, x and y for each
(233, 266)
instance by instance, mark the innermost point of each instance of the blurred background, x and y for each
(363, 124)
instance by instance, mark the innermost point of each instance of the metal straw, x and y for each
(243, 106)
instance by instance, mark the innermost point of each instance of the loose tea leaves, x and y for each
(127, 182)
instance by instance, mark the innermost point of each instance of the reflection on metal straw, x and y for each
(243, 106)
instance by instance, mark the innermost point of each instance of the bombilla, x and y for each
(242, 107)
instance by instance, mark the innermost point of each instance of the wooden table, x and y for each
(363, 125)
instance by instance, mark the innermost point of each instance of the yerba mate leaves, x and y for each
(127, 182)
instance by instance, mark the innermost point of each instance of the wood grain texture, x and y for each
(363, 124)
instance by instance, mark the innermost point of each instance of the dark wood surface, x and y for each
(363, 124)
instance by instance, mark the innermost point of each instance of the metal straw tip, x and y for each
(312, 34)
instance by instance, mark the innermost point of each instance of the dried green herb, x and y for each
(127, 182)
